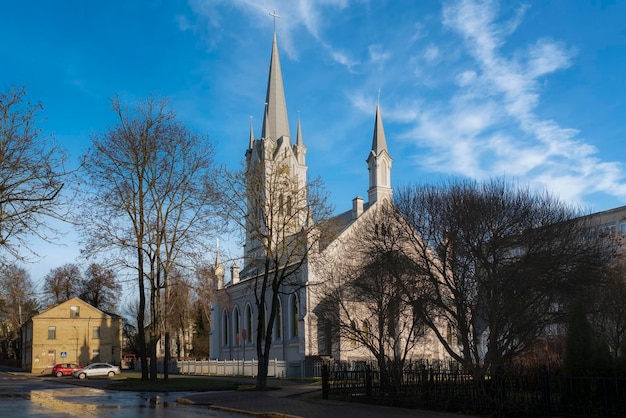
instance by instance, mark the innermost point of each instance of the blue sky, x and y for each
(534, 91)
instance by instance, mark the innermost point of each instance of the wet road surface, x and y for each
(34, 397)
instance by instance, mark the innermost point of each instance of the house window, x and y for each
(52, 333)
(74, 311)
(96, 333)
(622, 227)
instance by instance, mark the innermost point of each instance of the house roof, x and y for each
(74, 301)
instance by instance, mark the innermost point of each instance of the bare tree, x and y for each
(17, 305)
(177, 313)
(201, 309)
(62, 283)
(31, 175)
(364, 294)
(284, 219)
(99, 287)
(151, 185)
(498, 261)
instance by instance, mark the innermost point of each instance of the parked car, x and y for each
(97, 369)
(65, 369)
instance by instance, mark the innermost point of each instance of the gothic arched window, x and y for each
(249, 323)
(294, 316)
(225, 328)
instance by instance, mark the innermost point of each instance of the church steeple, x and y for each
(275, 121)
(272, 151)
(379, 163)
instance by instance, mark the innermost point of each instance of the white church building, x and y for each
(297, 332)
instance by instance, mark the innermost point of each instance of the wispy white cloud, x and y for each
(499, 92)
(293, 14)
(378, 55)
(431, 54)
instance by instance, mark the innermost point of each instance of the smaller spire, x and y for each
(379, 142)
(299, 133)
(218, 268)
(218, 260)
(379, 163)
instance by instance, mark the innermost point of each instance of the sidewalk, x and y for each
(300, 400)
(289, 400)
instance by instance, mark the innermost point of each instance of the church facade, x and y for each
(298, 333)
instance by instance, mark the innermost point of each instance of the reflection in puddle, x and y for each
(83, 401)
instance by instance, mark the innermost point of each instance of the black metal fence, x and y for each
(516, 393)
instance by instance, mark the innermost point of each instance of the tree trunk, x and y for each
(166, 359)
(141, 329)
(261, 378)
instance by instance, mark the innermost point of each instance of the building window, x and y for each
(236, 328)
(74, 311)
(224, 328)
(52, 333)
(96, 333)
(294, 316)
(249, 323)
(622, 227)
(608, 229)
(365, 331)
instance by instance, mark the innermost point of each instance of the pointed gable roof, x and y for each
(275, 122)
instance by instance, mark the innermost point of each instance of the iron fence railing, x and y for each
(518, 392)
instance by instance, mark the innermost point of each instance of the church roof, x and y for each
(275, 121)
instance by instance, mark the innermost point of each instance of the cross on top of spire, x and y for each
(274, 15)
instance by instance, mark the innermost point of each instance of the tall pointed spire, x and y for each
(379, 163)
(275, 121)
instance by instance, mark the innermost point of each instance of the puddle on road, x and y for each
(83, 401)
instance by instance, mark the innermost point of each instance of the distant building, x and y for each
(610, 222)
(71, 332)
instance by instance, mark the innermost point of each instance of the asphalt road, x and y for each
(27, 396)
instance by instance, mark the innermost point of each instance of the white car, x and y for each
(97, 369)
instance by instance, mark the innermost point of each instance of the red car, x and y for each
(65, 369)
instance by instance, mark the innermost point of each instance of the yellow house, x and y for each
(71, 332)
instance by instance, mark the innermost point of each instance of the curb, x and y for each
(185, 401)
